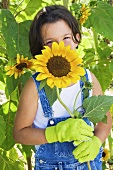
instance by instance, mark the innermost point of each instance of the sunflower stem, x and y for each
(76, 99)
(58, 95)
(88, 164)
(95, 37)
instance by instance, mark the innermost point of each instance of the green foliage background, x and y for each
(96, 48)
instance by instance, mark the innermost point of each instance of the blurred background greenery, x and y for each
(96, 49)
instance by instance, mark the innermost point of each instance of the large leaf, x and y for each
(103, 74)
(9, 142)
(9, 29)
(101, 19)
(11, 84)
(15, 35)
(2, 129)
(23, 36)
(96, 107)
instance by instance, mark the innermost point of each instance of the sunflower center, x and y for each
(21, 66)
(103, 154)
(58, 66)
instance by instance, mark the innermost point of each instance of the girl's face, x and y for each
(56, 32)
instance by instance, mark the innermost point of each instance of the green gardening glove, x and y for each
(87, 151)
(69, 130)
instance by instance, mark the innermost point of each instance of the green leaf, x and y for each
(9, 30)
(9, 142)
(111, 66)
(11, 84)
(13, 154)
(15, 34)
(103, 74)
(104, 53)
(24, 77)
(51, 94)
(23, 36)
(96, 107)
(2, 129)
(42, 83)
(32, 6)
(101, 19)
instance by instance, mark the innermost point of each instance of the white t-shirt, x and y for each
(68, 97)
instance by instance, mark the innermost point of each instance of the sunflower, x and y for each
(23, 62)
(13, 70)
(84, 13)
(18, 68)
(105, 155)
(59, 65)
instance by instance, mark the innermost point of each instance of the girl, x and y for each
(51, 130)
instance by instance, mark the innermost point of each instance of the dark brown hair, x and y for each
(50, 14)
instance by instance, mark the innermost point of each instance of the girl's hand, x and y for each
(87, 151)
(69, 130)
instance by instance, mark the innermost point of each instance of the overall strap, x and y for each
(43, 98)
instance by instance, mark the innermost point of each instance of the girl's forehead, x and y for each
(56, 29)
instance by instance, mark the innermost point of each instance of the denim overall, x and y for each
(58, 156)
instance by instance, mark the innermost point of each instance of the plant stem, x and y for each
(76, 99)
(71, 114)
(110, 144)
(95, 43)
(88, 164)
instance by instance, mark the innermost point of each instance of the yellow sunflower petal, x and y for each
(16, 74)
(50, 82)
(65, 51)
(77, 61)
(83, 7)
(9, 73)
(41, 58)
(39, 63)
(79, 70)
(22, 57)
(55, 48)
(58, 82)
(46, 53)
(42, 70)
(18, 58)
(72, 55)
(49, 51)
(66, 81)
(61, 48)
(41, 76)
(8, 68)
(74, 77)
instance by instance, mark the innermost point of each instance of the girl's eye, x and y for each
(66, 38)
(48, 43)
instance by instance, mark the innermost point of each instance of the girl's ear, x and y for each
(78, 37)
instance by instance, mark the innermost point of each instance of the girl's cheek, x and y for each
(71, 43)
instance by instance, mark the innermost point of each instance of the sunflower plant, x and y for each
(58, 68)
